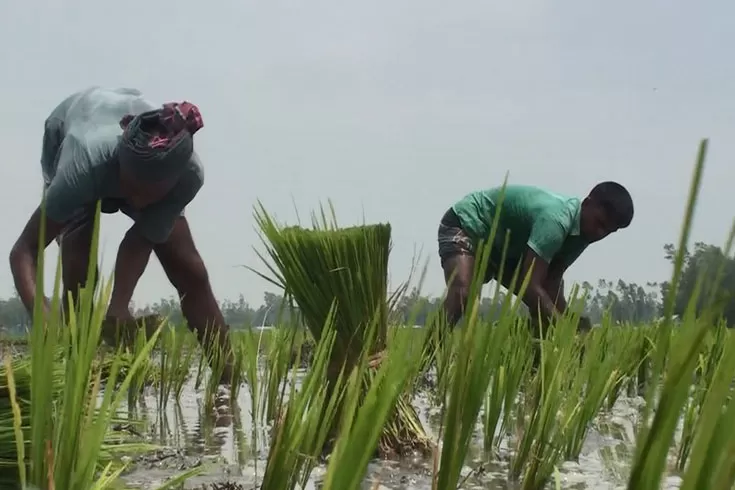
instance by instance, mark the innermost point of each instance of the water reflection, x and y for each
(226, 438)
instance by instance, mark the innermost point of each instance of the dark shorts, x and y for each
(452, 238)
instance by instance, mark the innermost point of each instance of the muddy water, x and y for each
(231, 451)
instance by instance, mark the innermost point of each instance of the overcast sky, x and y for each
(393, 110)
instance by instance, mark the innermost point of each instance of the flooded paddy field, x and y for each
(588, 391)
(233, 452)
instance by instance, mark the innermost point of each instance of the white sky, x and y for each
(393, 110)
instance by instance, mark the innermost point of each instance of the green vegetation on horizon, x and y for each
(623, 301)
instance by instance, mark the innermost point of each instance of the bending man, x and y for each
(113, 146)
(546, 229)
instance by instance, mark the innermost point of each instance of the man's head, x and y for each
(606, 209)
(154, 150)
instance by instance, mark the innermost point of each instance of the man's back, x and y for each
(525, 211)
(90, 121)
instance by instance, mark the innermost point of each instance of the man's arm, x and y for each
(536, 297)
(546, 239)
(554, 285)
(132, 260)
(152, 227)
(24, 256)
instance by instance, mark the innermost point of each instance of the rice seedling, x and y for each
(285, 342)
(654, 440)
(603, 367)
(177, 352)
(542, 435)
(67, 427)
(327, 264)
(711, 464)
(501, 397)
(477, 357)
(365, 413)
(305, 423)
(709, 360)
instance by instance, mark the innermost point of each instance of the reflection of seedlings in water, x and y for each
(127, 428)
(614, 460)
(617, 428)
(205, 434)
(223, 486)
(169, 459)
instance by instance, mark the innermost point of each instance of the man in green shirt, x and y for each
(546, 229)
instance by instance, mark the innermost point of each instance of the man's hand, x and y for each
(119, 316)
(118, 327)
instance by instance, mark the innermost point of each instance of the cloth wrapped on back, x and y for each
(158, 144)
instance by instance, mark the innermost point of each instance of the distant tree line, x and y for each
(705, 268)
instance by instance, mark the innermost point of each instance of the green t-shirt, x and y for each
(546, 222)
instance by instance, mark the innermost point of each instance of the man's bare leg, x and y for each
(458, 273)
(75, 246)
(185, 269)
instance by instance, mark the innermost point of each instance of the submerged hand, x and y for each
(118, 325)
(121, 316)
(584, 324)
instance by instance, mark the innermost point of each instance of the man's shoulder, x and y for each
(540, 200)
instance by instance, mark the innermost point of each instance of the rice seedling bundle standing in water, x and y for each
(347, 268)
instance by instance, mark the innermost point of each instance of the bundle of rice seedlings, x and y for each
(346, 268)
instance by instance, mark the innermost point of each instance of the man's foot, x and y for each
(227, 372)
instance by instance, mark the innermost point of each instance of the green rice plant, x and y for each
(238, 362)
(316, 267)
(248, 344)
(654, 439)
(445, 347)
(645, 352)
(709, 359)
(142, 375)
(477, 359)
(631, 346)
(605, 353)
(284, 342)
(365, 413)
(501, 398)
(711, 464)
(305, 423)
(541, 442)
(175, 358)
(216, 357)
(67, 431)
(652, 449)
